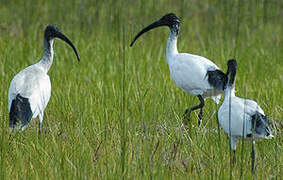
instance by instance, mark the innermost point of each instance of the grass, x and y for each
(117, 114)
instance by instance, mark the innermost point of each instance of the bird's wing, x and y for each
(17, 84)
(237, 120)
(199, 61)
(190, 73)
(256, 119)
(34, 85)
(251, 107)
(40, 98)
(209, 65)
(242, 112)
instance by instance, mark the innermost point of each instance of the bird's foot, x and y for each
(39, 129)
(234, 160)
(253, 160)
(199, 119)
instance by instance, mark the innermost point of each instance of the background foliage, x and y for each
(117, 113)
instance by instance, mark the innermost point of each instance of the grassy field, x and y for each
(117, 113)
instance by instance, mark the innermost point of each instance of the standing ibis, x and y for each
(193, 74)
(30, 89)
(241, 118)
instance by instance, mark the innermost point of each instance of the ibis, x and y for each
(241, 118)
(30, 89)
(194, 74)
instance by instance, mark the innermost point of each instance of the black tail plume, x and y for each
(217, 79)
(20, 112)
(260, 123)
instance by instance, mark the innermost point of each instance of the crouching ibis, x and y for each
(241, 118)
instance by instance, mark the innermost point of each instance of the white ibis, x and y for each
(30, 89)
(193, 74)
(241, 118)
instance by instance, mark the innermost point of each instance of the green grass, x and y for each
(117, 113)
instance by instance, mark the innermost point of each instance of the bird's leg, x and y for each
(201, 111)
(40, 122)
(234, 156)
(39, 128)
(189, 110)
(200, 116)
(253, 156)
(233, 141)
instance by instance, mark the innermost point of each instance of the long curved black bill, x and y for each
(151, 26)
(64, 38)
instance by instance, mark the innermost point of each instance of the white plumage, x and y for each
(189, 72)
(193, 74)
(34, 84)
(30, 89)
(239, 117)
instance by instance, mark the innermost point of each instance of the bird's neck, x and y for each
(47, 58)
(171, 48)
(229, 92)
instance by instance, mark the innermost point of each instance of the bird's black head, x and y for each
(232, 66)
(170, 20)
(231, 71)
(52, 31)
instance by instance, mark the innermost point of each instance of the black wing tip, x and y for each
(259, 115)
